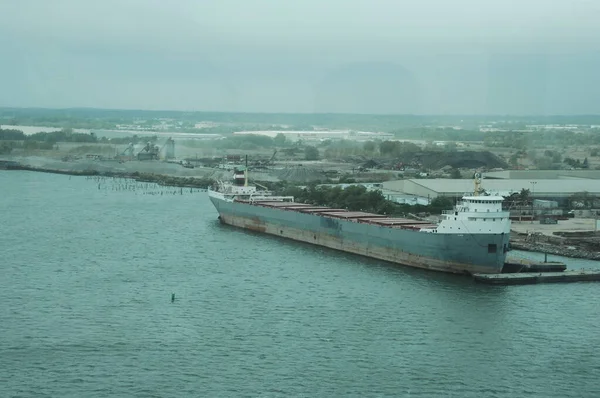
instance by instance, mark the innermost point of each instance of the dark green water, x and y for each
(86, 277)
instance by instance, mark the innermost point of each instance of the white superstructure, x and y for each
(240, 190)
(475, 214)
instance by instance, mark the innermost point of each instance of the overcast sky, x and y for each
(352, 56)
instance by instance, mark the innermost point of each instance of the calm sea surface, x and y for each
(88, 267)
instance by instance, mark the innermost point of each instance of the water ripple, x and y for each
(87, 276)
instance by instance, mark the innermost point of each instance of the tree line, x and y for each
(522, 140)
(64, 135)
(68, 135)
(359, 198)
(12, 138)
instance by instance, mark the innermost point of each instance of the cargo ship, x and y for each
(471, 238)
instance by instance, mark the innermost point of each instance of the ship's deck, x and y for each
(343, 214)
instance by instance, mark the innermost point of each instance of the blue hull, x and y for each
(457, 253)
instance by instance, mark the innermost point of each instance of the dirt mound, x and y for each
(298, 174)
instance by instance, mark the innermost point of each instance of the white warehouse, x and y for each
(548, 188)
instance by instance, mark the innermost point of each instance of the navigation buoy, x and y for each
(173, 297)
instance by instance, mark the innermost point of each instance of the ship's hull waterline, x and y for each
(455, 253)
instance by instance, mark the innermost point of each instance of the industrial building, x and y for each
(554, 189)
(542, 174)
(321, 135)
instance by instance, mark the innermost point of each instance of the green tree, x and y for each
(524, 195)
(581, 199)
(519, 143)
(12, 135)
(5, 148)
(450, 147)
(489, 141)
(387, 148)
(544, 163)
(557, 157)
(572, 162)
(455, 173)
(514, 160)
(369, 146)
(280, 140)
(311, 153)
(397, 148)
(554, 155)
(441, 203)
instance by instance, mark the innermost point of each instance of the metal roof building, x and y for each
(319, 135)
(554, 188)
(542, 174)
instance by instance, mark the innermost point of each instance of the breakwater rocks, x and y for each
(574, 244)
(160, 179)
(171, 181)
(572, 250)
(9, 165)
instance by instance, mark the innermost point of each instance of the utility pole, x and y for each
(532, 199)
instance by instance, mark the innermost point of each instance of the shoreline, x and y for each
(573, 251)
(570, 249)
(160, 179)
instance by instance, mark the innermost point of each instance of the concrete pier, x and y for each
(528, 278)
(516, 265)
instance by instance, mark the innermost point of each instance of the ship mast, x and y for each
(477, 182)
(246, 173)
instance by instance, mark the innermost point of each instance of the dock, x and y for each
(516, 265)
(529, 278)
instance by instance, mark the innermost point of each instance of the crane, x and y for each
(272, 157)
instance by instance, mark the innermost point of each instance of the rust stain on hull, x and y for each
(256, 228)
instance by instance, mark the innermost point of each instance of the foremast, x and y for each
(238, 189)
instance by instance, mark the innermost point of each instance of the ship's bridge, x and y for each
(237, 190)
(476, 214)
(229, 189)
(480, 204)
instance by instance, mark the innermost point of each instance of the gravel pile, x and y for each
(299, 174)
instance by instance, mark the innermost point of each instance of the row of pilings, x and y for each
(146, 187)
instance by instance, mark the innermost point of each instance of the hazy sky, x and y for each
(356, 56)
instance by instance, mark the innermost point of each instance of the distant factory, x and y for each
(149, 152)
(543, 174)
(310, 135)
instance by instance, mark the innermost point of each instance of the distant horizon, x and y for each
(519, 116)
